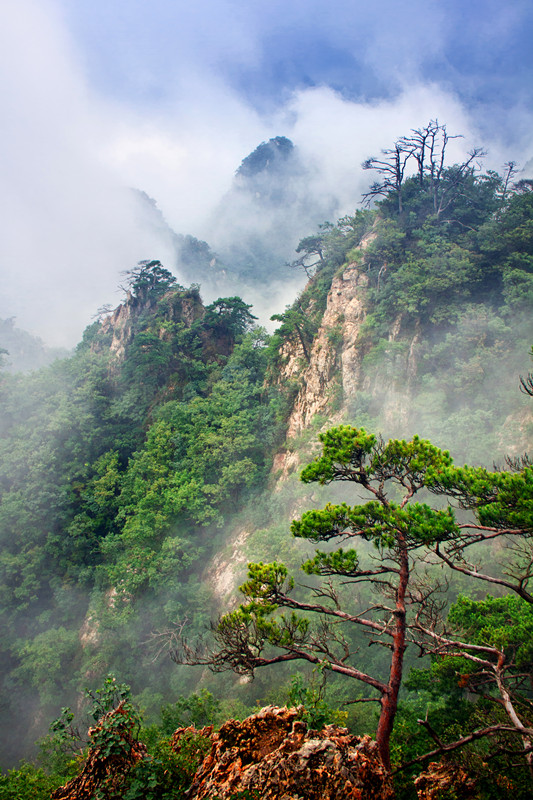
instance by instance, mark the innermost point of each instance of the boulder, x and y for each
(272, 755)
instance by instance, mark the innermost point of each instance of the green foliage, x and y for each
(275, 625)
(431, 283)
(310, 694)
(162, 774)
(497, 631)
(117, 476)
(165, 774)
(28, 782)
(271, 627)
(148, 360)
(199, 709)
(199, 455)
(501, 499)
(502, 622)
(149, 279)
(352, 454)
(229, 316)
(343, 445)
(52, 652)
(63, 747)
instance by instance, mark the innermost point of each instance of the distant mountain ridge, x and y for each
(255, 229)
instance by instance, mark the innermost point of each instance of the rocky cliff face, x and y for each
(332, 377)
(335, 360)
(120, 326)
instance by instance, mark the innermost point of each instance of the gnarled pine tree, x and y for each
(402, 531)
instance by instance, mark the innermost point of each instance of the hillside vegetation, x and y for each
(129, 470)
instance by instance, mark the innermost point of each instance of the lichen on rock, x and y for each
(443, 780)
(274, 756)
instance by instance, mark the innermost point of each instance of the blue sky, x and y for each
(480, 49)
(168, 97)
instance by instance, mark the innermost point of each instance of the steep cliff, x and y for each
(334, 375)
(335, 359)
(454, 380)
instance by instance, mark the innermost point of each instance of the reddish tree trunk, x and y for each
(389, 700)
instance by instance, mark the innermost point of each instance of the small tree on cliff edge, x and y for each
(260, 633)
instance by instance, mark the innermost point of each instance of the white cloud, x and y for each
(69, 224)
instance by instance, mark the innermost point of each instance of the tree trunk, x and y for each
(389, 700)
(302, 342)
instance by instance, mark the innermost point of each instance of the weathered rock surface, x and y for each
(272, 755)
(334, 343)
(444, 779)
(332, 376)
(120, 325)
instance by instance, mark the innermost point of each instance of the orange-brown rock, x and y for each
(444, 779)
(344, 315)
(104, 772)
(273, 756)
(184, 736)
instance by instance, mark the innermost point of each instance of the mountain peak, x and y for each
(267, 157)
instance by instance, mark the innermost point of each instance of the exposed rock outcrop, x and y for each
(442, 779)
(335, 359)
(333, 374)
(120, 326)
(272, 755)
(226, 566)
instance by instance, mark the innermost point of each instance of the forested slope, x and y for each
(139, 475)
(119, 466)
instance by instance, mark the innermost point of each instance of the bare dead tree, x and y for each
(102, 312)
(428, 147)
(392, 169)
(510, 173)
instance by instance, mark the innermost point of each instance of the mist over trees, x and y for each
(404, 599)
(129, 470)
(22, 352)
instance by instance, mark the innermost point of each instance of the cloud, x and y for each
(68, 224)
(73, 146)
(265, 50)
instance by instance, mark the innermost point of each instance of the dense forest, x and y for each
(140, 475)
